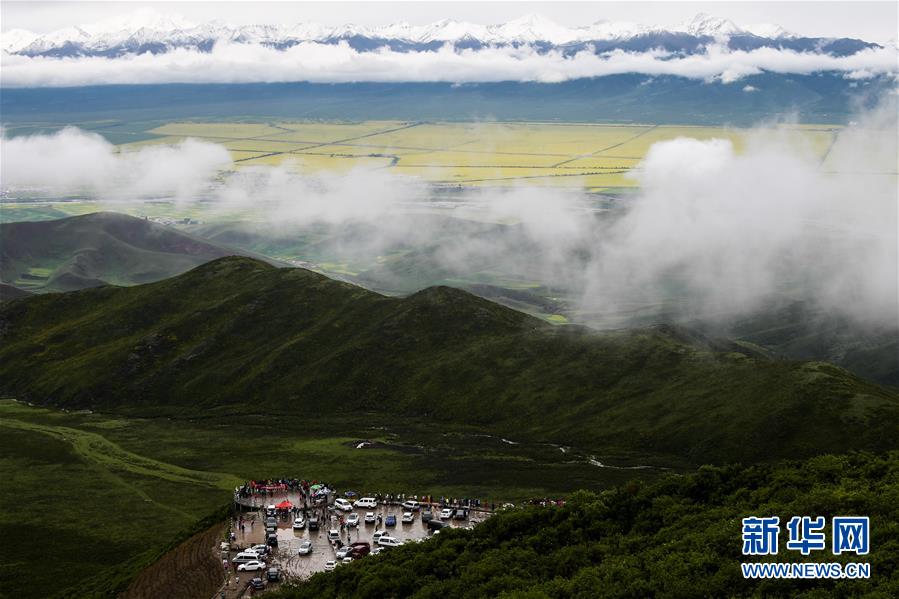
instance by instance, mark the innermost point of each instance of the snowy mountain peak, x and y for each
(535, 28)
(16, 39)
(706, 25)
(144, 18)
(770, 31)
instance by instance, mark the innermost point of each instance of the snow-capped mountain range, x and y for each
(148, 31)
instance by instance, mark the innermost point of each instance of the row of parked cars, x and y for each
(345, 505)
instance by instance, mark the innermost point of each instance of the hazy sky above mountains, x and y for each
(872, 21)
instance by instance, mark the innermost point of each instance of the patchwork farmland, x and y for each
(596, 157)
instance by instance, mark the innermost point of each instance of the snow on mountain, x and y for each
(534, 28)
(448, 30)
(16, 39)
(617, 30)
(147, 30)
(145, 18)
(705, 25)
(770, 31)
(307, 32)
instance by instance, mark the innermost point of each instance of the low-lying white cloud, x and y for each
(73, 161)
(335, 63)
(712, 233)
(719, 233)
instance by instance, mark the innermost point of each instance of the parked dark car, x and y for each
(436, 525)
(360, 549)
(390, 521)
(271, 522)
(273, 574)
(460, 514)
(313, 523)
(258, 584)
(427, 515)
(272, 540)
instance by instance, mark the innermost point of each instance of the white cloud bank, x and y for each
(723, 232)
(327, 63)
(73, 161)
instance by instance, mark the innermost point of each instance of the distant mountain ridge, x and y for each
(96, 249)
(151, 32)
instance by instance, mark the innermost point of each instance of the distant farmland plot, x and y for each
(591, 156)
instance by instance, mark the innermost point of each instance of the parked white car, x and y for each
(366, 502)
(352, 520)
(386, 541)
(347, 559)
(412, 506)
(330, 565)
(333, 534)
(252, 566)
(246, 556)
(378, 534)
(446, 513)
(408, 517)
(370, 518)
(299, 523)
(344, 551)
(305, 548)
(343, 505)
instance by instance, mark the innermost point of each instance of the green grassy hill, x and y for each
(502, 263)
(98, 249)
(238, 335)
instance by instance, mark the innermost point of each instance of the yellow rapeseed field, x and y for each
(593, 156)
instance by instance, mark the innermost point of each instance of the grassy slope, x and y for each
(95, 249)
(680, 537)
(236, 333)
(80, 505)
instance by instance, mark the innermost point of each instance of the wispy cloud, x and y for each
(318, 62)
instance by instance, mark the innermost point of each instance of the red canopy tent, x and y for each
(284, 505)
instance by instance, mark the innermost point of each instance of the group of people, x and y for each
(273, 486)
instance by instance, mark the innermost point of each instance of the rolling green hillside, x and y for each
(240, 335)
(97, 249)
(507, 267)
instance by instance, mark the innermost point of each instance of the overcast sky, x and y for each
(873, 21)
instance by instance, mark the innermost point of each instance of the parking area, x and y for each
(290, 536)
